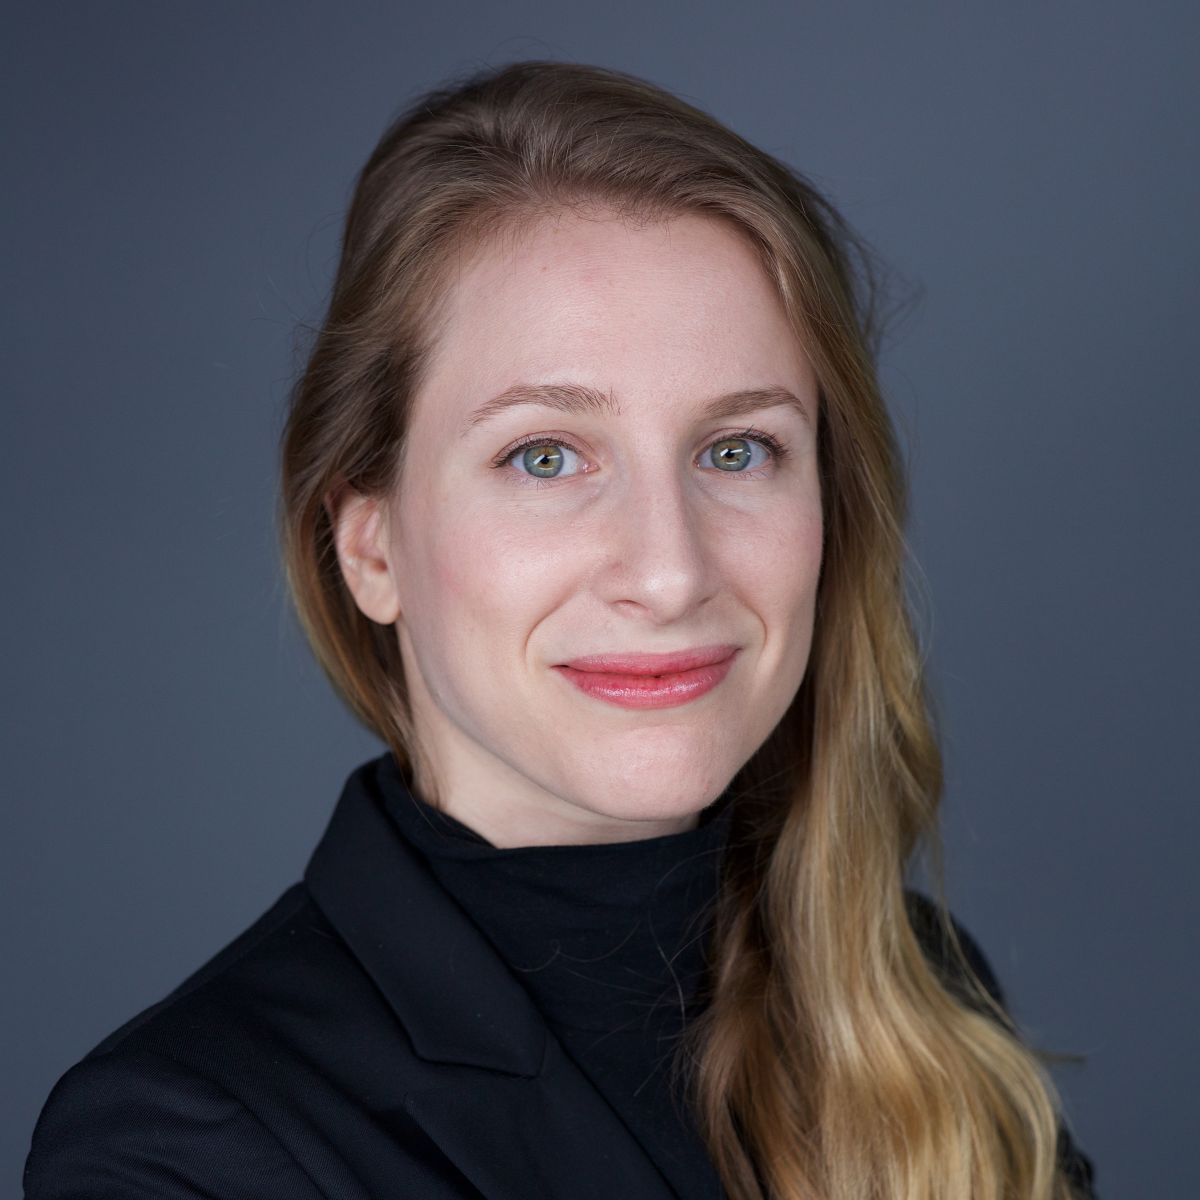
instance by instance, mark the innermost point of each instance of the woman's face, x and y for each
(634, 522)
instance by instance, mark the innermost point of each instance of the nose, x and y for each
(659, 546)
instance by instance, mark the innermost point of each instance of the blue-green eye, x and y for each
(546, 458)
(542, 459)
(733, 453)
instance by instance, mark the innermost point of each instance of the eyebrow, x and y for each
(578, 399)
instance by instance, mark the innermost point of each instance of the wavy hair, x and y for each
(833, 1061)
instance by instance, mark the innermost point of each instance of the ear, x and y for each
(360, 534)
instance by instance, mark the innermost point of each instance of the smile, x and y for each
(628, 690)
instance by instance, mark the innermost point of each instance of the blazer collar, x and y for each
(530, 1123)
(417, 944)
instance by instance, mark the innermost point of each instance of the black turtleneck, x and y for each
(611, 943)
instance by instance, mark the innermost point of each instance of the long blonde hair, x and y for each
(833, 1061)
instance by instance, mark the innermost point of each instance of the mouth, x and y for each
(653, 664)
(650, 680)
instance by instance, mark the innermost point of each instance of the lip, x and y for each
(652, 664)
(641, 688)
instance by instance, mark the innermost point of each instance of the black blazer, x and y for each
(361, 1040)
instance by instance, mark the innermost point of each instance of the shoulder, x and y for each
(277, 944)
(252, 993)
(923, 915)
(133, 1123)
(197, 1094)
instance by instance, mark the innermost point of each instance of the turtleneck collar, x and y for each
(603, 937)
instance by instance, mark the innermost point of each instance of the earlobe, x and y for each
(360, 535)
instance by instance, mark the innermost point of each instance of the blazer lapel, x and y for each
(499, 1095)
(550, 1136)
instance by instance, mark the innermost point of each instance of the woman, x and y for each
(592, 511)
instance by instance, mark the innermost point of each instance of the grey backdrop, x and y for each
(175, 179)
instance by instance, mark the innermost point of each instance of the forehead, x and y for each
(652, 312)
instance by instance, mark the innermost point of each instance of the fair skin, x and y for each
(639, 543)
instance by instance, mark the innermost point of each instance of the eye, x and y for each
(546, 458)
(734, 455)
(541, 458)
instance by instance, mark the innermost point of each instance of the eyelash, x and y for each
(777, 449)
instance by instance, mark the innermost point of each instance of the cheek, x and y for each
(785, 599)
(485, 573)
(809, 554)
(779, 560)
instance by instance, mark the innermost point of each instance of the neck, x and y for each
(508, 820)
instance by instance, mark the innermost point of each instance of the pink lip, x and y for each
(652, 664)
(633, 683)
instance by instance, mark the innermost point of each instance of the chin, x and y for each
(661, 795)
